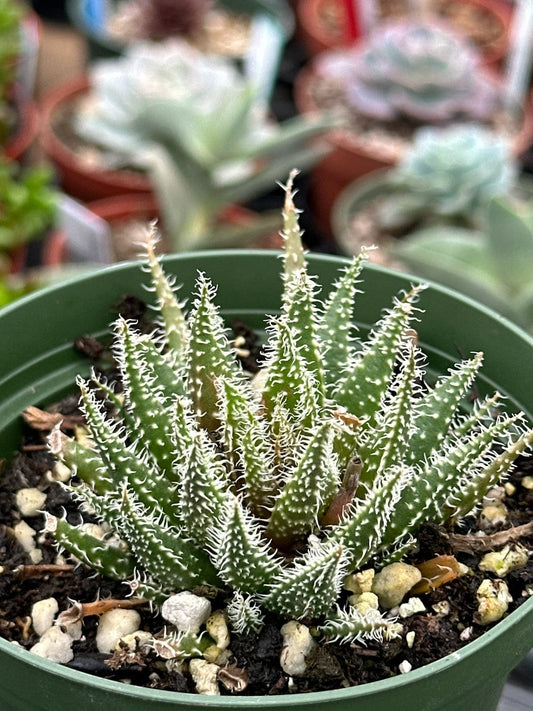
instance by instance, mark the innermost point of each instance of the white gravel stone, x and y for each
(297, 643)
(217, 628)
(36, 556)
(527, 482)
(55, 645)
(359, 583)
(504, 561)
(43, 614)
(493, 515)
(364, 602)
(410, 639)
(412, 607)
(493, 600)
(393, 582)
(404, 667)
(25, 535)
(186, 611)
(113, 625)
(30, 502)
(204, 676)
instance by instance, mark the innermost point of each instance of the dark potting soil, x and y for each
(449, 621)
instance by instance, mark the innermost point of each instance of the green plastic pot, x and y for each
(38, 365)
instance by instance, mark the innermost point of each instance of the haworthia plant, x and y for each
(273, 491)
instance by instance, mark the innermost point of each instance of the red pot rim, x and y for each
(122, 181)
(26, 132)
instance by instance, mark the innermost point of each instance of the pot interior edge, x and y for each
(39, 364)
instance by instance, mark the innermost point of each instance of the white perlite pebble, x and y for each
(527, 482)
(113, 625)
(364, 602)
(393, 582)
(297, 643)
(410, 639)
(359, 583)
(493, 515)
(493, 600)
(204, 676)
(404, 667)
(412, 607)
(30, 502)
(43, 614)
(36, 556)
(503, 562)
(25, 535)
(217, 628)
(55, 645)
(186, 611)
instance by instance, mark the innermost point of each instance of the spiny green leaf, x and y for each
(365, 382)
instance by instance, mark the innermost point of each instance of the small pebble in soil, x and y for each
(204, 676)
(493, 600)
(360, 582)
(393, 582)
(186, 611)
(297, 643)
(54, 645)
(504, 561)
(43, 614)
(113, 625)
(30, 502)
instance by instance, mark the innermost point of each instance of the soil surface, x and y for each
(449, 621)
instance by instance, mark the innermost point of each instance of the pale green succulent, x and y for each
(272, 491)
(199, 128)
(493, 264)
(448, 174)
(415, 70)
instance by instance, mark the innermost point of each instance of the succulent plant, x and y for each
(414, 70)
(492, 264)
(197, 126)
(27, 207)
(273, 490)
(450, 173)
(28, 203)
(170, 18)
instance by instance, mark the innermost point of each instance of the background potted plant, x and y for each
(18, 49)
(447, 177)
(28, 210)
(165, 110)
(492, 263)
(323, 24)
(403, 76)
(227, 27)
(474, 674)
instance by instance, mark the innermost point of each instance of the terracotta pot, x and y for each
(348, 161)
(26, 132)
(318, 35)
(76, 177)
